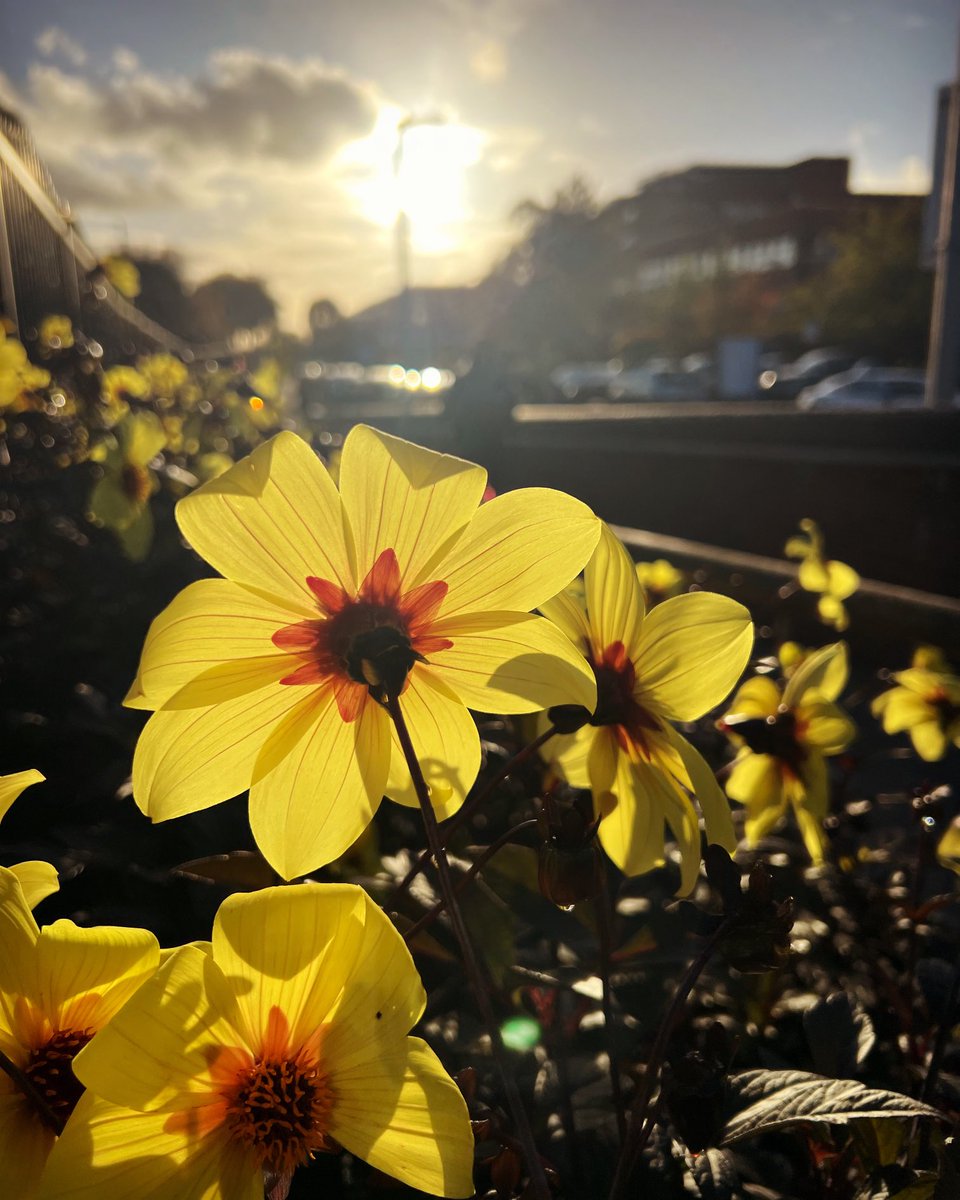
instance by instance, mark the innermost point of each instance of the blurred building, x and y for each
(708, 221)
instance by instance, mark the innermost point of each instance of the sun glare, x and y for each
(430, 185)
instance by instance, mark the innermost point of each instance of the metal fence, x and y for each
(46, 266)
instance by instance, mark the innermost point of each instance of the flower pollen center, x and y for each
(616, 703)
(778, 735)
(135, 482)
(280, 1110)
(50, 1070)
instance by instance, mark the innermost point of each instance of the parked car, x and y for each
(789, 380)
(583, 380)
(656, 383)
(866, 389)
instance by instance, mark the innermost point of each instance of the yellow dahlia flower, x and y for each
(58, 986)
(286, 1036)
(121, 499)
(660, 580)
(925, 703)
(272, 678)
(673, 664)
(784, 741)
(120, 385)
(123, 274)
(164, 373)
(37, 879)
(18, 376)
(55, 332)
(832, 580)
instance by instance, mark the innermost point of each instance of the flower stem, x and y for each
(538, 1180)
(431, 914)
(451, 826)
(943, 1036)
(22, 1083)
(605, 922)
(642, 1118)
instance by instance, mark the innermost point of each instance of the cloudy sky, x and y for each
(259, 137)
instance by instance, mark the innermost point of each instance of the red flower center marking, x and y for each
(279, 1109)
(50, 1070)
(616, 705)
(366, 643)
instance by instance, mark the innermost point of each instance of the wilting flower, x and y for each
(925, 703)
(37, 879)
(287, 1036)
(121, 500)
(273, 678)
(18, 376)
(834, 581)
(660, 580)
(674, 664)
(58, 986)
(55, 332)
(784, 741)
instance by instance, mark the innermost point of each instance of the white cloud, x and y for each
(125, 60)
(55, 42)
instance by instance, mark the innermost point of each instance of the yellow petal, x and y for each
(605, 767)
(614, 596)
(405, 1116)
(512, 663)
(142, 437)
(83, 976)
(519, 550)
(948, 848)
(842, 580)
(757, 697)
(12, 785)
(403, 497)
(693, 649)
(901, 709)
(761, 822)
(812, 791)
(755, 781)
(271, 521)
(209, 623)
(191, 759)
(683, 824)
(826, 726)
(317, 783)
(25, 1143)
(832, 612)
(824, 672)
(157, 1052)
(18, 940)
(116, 1152)
(445, 740)
(813, 575)
(631, 829)
(929, 740)
(707, 792)
(569, 615)
(571, 752)
(38, 880)
(324, 957)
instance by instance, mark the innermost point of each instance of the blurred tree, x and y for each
(227, 303)
(163, 296)
(874, 297)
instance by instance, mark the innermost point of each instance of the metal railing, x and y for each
(46, 266)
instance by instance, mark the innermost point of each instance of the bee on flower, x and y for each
(783, 739)
(832, 581)
(674, 663)
(240, 1060)
(59, 986)
(925, 703)
(400, 585)
(38, 880)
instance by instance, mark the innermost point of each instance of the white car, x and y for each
(866, 389)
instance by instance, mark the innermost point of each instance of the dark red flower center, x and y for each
(280, 1110)
(778, 735)
(50, 1070)
(368, 643)
(616, 704)
(135, 483)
